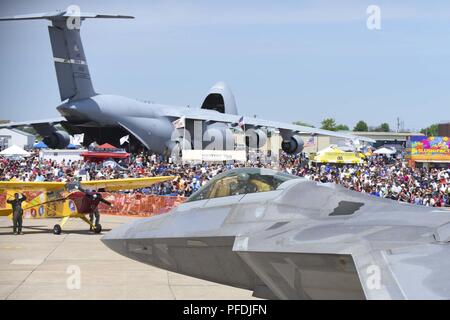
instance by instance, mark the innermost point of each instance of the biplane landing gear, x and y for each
(57, 229)
(98, 228)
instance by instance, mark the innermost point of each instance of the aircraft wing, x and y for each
(358, 270)
(32, 186)
(109, 185)
(355, 247)
(33, 123)
(209, 115)
(303, 129)
(124, 184)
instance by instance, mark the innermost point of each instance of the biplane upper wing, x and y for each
(109, 185)
(124, 184)
(32, 186)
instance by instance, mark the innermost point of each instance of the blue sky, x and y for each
(284, 60)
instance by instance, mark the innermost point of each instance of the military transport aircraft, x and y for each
(106, 118)
(291, 238)
(70, 200)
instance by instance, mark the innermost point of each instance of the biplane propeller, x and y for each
(65, 200)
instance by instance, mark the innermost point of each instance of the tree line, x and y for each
(331, 125)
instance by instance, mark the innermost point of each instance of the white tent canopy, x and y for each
(330, 148)
(384, 151)
(14, 151)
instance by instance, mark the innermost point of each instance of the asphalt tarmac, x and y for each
(77, 265)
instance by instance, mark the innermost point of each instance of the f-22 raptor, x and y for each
(285, 237)
(106, 118)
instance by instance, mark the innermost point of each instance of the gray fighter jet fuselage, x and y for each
(285, 237)
(106, 118)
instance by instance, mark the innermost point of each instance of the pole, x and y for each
(247, 148)
(317, 143)
(184, 137)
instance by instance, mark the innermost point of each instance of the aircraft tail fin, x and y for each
(72, 71)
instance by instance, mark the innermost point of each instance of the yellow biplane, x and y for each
(65, 200)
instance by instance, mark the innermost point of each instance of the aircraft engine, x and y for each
(218, 136)
(292, 145)
(256, 138)
(57, 140)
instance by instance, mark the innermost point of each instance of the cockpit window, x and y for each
(241, 181)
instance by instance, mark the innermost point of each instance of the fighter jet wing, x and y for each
(210, 115)
(365, 260)
(416, 272)
(33, 122)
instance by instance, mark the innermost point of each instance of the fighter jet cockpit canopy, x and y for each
(241, 181)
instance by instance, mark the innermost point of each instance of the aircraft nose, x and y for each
(116, 239)
(119, 238)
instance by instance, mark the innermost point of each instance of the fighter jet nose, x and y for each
(119, 239)
(121, 232)
(116, 245)
(116, 239)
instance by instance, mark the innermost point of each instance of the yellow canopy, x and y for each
(333, 154)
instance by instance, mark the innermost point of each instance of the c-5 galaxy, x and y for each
(106, 118)
(285, 237)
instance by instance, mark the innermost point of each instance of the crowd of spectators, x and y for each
(386, 178)
(381, 177)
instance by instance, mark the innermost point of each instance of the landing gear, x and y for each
(57, 229)
(98, 228)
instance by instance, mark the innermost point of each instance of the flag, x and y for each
(241, 122)
(125, 139)
(78, 139)
(179, 123)
(310, 142)
(355, 143)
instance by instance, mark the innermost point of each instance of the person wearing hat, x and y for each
(94, 198)
(16, 205)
